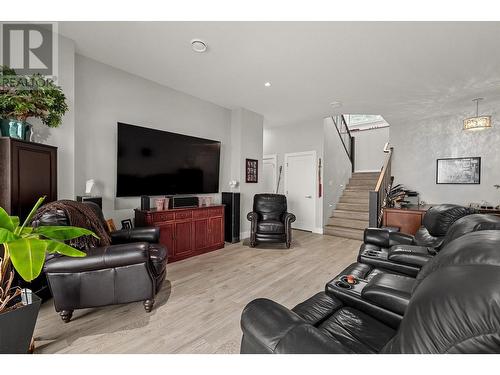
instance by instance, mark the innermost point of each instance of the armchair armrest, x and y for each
(252, 216)
(267, 322)
(146, 234)
(384, 238)
(288, 218)
(99, 258)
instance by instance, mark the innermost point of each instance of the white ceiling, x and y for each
(400, 70)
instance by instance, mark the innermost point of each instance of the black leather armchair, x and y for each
(270, 221)
(132, 269)
(454, 308)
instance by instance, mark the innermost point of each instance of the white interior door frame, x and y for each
(274, 159)
(314, 176)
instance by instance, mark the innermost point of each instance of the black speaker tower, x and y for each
(145, 202)
(231, 202)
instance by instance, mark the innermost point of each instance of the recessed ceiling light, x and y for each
(336, 104)
(267, 84)
(198, 45)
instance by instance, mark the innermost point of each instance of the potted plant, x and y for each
(23, 97)
(24, 250)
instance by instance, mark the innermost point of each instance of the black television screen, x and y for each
(155, 162)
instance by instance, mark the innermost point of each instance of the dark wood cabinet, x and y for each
(27, 171)
(407, 219)
(186, 232)
(215, 230)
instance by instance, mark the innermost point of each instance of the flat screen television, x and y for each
(156, 162)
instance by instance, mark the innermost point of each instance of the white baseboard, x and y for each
(367, 170)
(318, 230)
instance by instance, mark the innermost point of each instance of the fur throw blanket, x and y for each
(78, 215)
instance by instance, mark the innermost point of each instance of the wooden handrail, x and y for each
(378, 196)
(384, 170)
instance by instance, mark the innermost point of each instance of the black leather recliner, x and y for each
(132, 269)
(454, 308)
(270, 221)
(435, 224)
(409, 259)
(407, 254)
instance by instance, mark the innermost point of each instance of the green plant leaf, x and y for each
(62, 248)
(7, 236)
(62, 233)
(6, 221)
(15, 221)
(27, 256)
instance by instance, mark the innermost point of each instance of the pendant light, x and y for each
(477, 122)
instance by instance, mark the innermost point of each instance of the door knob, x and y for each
(309, 196)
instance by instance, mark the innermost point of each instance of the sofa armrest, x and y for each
(307, 339)
(408, 254)
(146, 234)
(99, 258)
(384, 238)
(266, 322)
(391, 292)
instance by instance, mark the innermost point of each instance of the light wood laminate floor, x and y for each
(198, 309)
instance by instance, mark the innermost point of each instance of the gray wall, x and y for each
(304, 136)
(337, 169)
(418, 144)
(368, 149)
(246, 142)
(106, 95)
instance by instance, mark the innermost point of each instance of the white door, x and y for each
(300, 188)
(269, 174)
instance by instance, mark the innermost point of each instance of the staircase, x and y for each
(350, 217)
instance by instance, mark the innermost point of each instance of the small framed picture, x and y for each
(458, 170)
(252, 171)
(111, 225)
(127, 224)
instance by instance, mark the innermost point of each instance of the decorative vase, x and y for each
(160, 204)
(16, 129)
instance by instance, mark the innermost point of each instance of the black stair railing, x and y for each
(345, 136)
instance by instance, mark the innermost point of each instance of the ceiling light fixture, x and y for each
(336, 104)
(477, 122)
(267, 84)
(198, 45)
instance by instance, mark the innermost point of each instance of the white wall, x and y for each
(417, 144)
(106, 95)
(304, 136)
(337, 170)
(368, 149)
(63, 137)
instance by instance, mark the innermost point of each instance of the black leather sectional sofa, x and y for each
(449, 304)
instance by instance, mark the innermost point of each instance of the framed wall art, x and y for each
(458, 170)
(252, 171)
